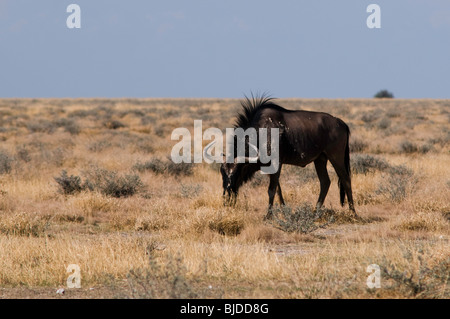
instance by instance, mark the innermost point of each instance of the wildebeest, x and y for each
(304, 137)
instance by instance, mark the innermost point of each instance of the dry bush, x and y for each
(384, 123)
(357, 145)
(302, 219)
(223, 221)
(24, 224)
(6, 162)
(42, 126)
(23, 154)
(363, 164)
(169, 280)
(120, 186)
(397, 183)
(408, 147)
(91, 203)
(69, 185)
(69, 125)
(227, 224)
(370, 117)
(190, 191)
(159, 166)
(415, 277)
(428, 205)
(151, 222)
(421, 221)
(99, 146)
(114, 125)
(106, 182)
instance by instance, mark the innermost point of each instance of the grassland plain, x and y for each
(89, 182)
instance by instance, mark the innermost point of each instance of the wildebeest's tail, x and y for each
(346, 163)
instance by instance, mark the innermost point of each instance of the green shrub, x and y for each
(384, 94)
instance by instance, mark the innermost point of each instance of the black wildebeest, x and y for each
(304, 137)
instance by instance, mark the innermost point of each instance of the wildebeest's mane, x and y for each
(250, 107)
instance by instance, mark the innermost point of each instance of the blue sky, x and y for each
(227, 48)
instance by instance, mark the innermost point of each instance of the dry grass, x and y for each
(171, 237)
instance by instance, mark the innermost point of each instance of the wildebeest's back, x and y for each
(303, 134)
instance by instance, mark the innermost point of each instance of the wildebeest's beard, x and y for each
(230, 174)
(234, 175)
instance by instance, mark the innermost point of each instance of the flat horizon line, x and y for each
(214, 98)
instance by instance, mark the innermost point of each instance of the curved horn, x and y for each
(248, 159)
(206, 153)
(255, 148)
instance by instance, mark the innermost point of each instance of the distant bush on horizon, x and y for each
(384, 94)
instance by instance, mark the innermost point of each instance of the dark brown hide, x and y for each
(305, 137)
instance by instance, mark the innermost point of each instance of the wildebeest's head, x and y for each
(230, 181)
(236, 173)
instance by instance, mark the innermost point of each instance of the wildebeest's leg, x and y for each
(280, 196)
(344, 180)
(273, 185)
(321, 169)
